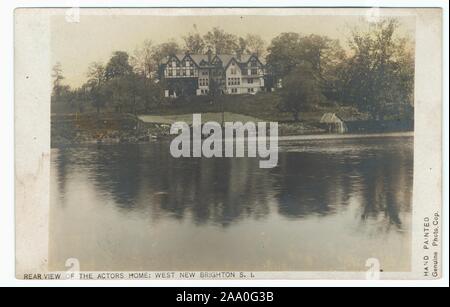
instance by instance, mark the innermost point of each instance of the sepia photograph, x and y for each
(341, 89)
(229, 143)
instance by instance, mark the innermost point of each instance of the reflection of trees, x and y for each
(386, 179)
(311, 183)
(211, 190)
(379, 177)
(62, 163)
(147, 179)
(117, 171)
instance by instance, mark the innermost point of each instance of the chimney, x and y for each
(209, 53)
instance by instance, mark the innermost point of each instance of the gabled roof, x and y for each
(180, 56)
(224, 58)
(198, 58)
(330, 118)
(245, 58)
(344, 114)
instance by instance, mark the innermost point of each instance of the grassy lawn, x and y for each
(262, 106)
(217, 117)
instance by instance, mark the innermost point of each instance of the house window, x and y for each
(204, 73)
(184, 72)
(174, 64)
(250, 90)
(178, 72)
(233, 71)
(203, 82)
(170, 72)
(234, 81)
(188, 63)
(254, 71)
(234, 90)
(250, 81)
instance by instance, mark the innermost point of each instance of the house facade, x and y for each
(203, 74)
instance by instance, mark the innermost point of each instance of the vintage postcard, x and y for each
(228, 143)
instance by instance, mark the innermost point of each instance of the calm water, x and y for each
(328, 205)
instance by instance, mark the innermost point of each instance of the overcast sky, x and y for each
(96, 36)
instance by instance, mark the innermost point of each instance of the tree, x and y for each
(380, 72)
(221, 42)
(241, 47)
(161, 51)
(118, 65)
(325, 55)
(95, 86)
(149, 92)
(289, 50)
(57, 80)
(143, 59)
(254, 44)
(62, 97)
(119, 93)
(194, 43)
(301, 90)
(81, 97)
(147, 58)
(284, 54)
(321, 52)
(96, 73)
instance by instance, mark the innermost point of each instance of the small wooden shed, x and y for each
(333, 123)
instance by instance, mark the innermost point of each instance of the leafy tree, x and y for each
(321, 52)
(289, 50)
(147, 58)
(161, 51)
(221, 42)
(149, 92)
(96, 73)
(95, 87)
(143, 60)
(254, 44)
(194, 43)
(284, 53)
(57, 80)
(118, 65)
(81, 97)
(62, 98)
(301, 90)
(379, 76)
(119, 92)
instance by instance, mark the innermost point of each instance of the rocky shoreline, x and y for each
(73, 129)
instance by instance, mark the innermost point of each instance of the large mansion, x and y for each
(201, 74)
